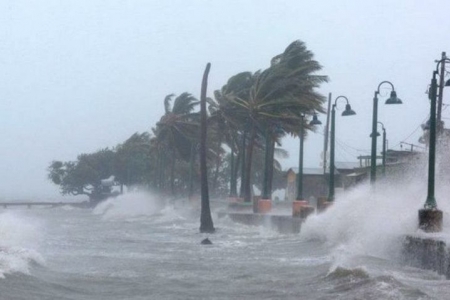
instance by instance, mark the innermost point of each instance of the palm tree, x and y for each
(176, 131)
(277, 98)
(228, 121)
(224, 124)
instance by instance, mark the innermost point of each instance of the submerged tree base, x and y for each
(207, 229)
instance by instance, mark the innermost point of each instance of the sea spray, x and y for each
(20, 237)
(364, 221)
(132, 204)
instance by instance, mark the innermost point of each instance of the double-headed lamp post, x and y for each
(430, 218)
(314, 121)
(347, 112)
(373, 155)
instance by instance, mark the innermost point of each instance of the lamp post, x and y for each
(373, 155)
(347, 112)
(441, 90)
(314, 121)
(384, 148)
(430, 218)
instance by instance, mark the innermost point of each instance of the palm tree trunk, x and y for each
(206, 222)
(248, 166)
(242, 157)
(163, 174)
(233, 181)
(160, 171)
(218, 158)
(237, 164)
(191, 171)
(172, 175)
(272, 153)
(266, 194)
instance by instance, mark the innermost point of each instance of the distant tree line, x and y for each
(247, 118)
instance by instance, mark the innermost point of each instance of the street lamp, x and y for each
(373, 156)
(384, 148)
(347, 112)
(430, 218)
(314, 121)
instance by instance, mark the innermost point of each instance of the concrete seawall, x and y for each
(280, 223)
(425, 252)
(429, 253)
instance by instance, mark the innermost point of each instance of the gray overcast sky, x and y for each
(77, 76)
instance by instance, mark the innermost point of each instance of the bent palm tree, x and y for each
(277, 98)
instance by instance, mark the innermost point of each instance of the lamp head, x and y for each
(348, 111)
(378, 134)
(315, 120)
(447, 83)
(393, 99)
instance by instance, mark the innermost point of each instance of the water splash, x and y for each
(133, 204)
(369, 221)
(364, 221)
(373, 220)
(20, 237)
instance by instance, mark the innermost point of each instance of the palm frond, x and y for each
(184, 104)
(167, 100)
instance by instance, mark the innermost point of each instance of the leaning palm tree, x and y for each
(227, 119)
(278, 97)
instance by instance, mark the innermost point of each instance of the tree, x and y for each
(175, 133)
(134, 162)
(226, 123)
(277, 98)
(84, 176)
(228, 167)
(251, 111)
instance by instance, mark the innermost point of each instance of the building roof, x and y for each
(339, 165)
(309, 171)
(347, 165)
(402, 153)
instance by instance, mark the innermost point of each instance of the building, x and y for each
(316, 183)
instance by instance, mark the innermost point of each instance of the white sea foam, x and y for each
(169, 214)
(133, 204)
(20, 236)
(306, 261)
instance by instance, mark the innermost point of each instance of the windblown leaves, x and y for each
(179, 126)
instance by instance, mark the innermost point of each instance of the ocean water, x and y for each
(132, 248)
